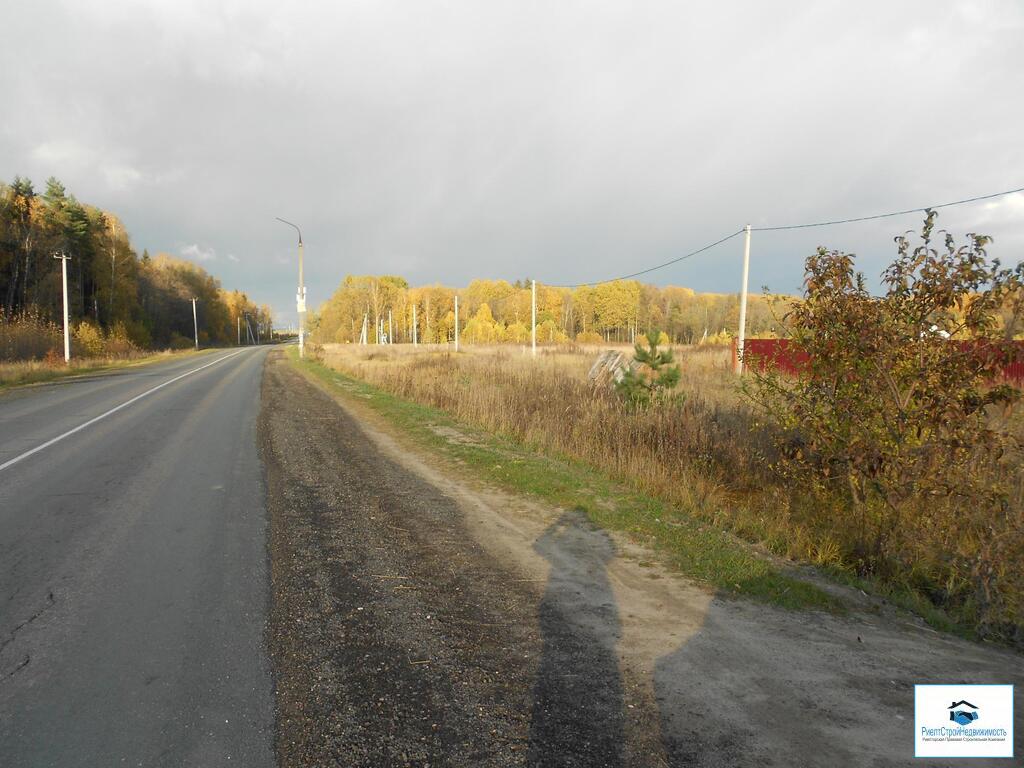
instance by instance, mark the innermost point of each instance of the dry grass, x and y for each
(37, 371)
(28, 337)
(32, 349)
(695, 452)
(701, 453)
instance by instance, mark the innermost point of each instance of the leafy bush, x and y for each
(589, 337)
(86, 340)
(118, 342)
(177, 341)
(28, 336)
(661, 336)
(898, 421)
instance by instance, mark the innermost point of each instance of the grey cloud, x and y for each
(568, 141)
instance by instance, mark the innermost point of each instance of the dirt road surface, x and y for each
(423, 620)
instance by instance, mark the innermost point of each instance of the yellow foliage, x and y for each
(589, 337)
(663, 339)
(721, 338)
(87, 339)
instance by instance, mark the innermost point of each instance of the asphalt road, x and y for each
(134, 584)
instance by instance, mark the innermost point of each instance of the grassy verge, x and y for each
(36, 372)
(699, 551)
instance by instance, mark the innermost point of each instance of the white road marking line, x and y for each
(113, 410)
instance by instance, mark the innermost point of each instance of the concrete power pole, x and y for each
(533, 317)
(742, 337)
(64, 282)
(195, 322)
(300, 304)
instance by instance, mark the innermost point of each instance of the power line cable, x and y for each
(887, 215)
(792, 226)
(652, 269)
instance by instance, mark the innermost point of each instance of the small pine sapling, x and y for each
(653, 375)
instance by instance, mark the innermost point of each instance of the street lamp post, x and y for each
(300, 296)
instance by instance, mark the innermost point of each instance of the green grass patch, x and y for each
(694, 549)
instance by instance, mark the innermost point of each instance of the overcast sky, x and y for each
(566, 141)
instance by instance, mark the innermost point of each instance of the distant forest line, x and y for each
(111, 288)
(495, 311)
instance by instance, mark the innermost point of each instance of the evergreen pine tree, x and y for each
(654, 374)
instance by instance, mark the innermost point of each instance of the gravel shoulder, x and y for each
(396, 638)
(420, 617)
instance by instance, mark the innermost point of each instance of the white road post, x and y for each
(64, 281)
(741, 339)
(415, 330)
(456, 322)
(533, 317)
(195, 322)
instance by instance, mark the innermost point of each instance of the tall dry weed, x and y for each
(703, 454)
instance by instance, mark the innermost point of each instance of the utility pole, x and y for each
(533, 317)
(456, 322)
(64, 282)
(741, 339)
(195, 322)
(238, 324)
(300, 296)
(415, 330)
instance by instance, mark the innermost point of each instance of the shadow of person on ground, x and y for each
(578, 700)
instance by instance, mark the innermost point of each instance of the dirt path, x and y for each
(420, 620)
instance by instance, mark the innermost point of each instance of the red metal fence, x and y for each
(780, 354)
